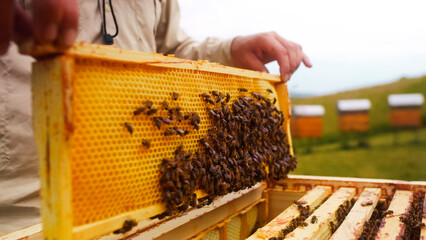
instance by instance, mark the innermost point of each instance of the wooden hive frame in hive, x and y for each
(107, 84)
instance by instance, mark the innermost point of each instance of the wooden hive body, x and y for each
(406, 117)
(307, 121)
(306, 127)
(406, 110)
(273, 209)
(353, 115)
(358, 121)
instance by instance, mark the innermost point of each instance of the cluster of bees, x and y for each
(244, 145)
(341, 213)
(371, 227)
(413, 220)
(305, 211)
(174, 115)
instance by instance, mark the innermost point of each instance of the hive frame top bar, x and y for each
(157, 59)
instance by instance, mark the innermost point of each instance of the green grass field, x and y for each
(405, 160)
(383, 159)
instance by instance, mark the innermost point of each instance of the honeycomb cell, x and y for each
(112, 173)
(233, 228)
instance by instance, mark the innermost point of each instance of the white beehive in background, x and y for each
(406, 109)
(307, 121)
(353, 115)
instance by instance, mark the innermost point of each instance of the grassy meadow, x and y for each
(390, 155)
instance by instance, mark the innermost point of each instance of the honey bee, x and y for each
(157, 121)
(314, 219)
(151, 111)
(367, 203)
(165, 120)
(183, 207)
(179, 116)
(179, 149)
(171, 116)
(193, 202)
(175, 96)
(256, 95)
(195, 118)
(129, 127)
(168, 212)
(165, 105)
(168, 185)
(146, 143)
(139, 111)
(205, 95)
(219, 98)
(211, 101)
(169, 132)
(269, 90)
(275, 101)
(388, 212)
(148, 104)
(180, 132)
(228, 97)
(127, 226)
(333, 227)
(243, 89)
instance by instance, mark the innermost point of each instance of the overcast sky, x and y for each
(351, 43)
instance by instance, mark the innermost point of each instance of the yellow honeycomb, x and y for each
(212, 235)
(252, 217)
(233, 228)
(112, 173)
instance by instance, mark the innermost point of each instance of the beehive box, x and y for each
(406, 110)
(95, 172)
(353, 115)
(307, 121)
(264, 212)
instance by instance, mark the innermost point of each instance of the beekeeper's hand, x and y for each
(53, 21)
(254, 51)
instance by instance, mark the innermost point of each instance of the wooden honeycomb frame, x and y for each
(59, 84)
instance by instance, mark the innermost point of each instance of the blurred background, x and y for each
(360, 50)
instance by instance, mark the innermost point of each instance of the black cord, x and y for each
(108, 38)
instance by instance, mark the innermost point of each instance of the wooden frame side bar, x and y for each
(312, 199)
(51, 123)
(391, 227)
(325, 214)
(352, 226)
